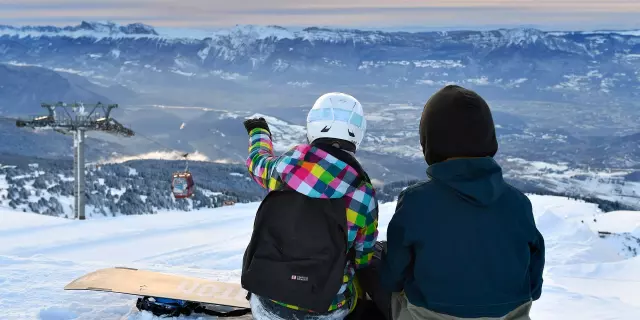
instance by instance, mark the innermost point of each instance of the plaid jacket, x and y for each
(315, 173)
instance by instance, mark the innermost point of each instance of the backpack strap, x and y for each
(362, 176)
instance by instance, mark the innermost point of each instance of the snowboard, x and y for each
(161, 285)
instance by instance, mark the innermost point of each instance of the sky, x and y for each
(373, 14)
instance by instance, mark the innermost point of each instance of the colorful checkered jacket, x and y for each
(315, 173)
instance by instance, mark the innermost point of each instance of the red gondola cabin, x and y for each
(182, 185)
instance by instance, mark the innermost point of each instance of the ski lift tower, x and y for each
(76, 123)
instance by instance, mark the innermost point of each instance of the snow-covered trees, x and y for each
(136, 187)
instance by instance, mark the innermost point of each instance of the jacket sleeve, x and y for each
(367, 235)
(537, 260)
(262, 162)
(396, 260)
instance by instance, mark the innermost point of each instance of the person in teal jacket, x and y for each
(464, 243)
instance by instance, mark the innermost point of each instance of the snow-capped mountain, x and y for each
(558, 97)
(514, 63)
(85, 28)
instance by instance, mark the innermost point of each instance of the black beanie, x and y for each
(457, 122)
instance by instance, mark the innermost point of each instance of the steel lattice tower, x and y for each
(76, 123)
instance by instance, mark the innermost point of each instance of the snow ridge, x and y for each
(253, 33)
(84, 29)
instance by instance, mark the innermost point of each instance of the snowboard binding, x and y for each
(164, 307)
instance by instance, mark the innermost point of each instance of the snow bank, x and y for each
(563, 207)
(627, 270)
(618, 280)
(616, 221)
(572, 242)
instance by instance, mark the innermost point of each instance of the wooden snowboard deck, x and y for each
(157, 284)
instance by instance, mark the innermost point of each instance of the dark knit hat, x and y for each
(457, 122)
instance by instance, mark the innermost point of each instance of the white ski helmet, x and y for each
(336, 115)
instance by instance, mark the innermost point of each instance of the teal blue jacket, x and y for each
(464, 243)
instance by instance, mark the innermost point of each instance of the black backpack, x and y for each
(298, 249)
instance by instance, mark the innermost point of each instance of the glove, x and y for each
(251, 124)
(380, 248)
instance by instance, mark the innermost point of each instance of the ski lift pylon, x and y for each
(182, 184)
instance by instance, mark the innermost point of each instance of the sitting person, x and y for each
(463, 244)
(319, 222)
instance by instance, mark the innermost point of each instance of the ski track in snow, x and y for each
(585, 277)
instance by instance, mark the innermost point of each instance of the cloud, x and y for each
(354, 13)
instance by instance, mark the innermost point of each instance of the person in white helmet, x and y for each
(319, 222)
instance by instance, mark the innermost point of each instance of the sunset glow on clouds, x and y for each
(560, 14)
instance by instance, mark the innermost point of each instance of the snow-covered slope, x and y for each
(585, 277)
(616, 221)
(607, 184)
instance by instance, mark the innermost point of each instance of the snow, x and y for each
(238, 35)
(248, 32)
(585, 277)
(182, 73)
(98, 35)
(636, 233)
(434, 64)
(253, 33)
(616, 221)
(516, 83)
(227, 75)
(64, 70)
(609, 184)
(565, 209)
(115, 53)
(635, 33)
(303, 84)
(158, 155)
(482, 81)
(182, 33)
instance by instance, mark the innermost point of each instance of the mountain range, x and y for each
(267, 61)
(566, 99)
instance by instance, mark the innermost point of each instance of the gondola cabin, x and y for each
(182, 185)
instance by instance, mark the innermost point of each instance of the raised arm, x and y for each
(261, 160)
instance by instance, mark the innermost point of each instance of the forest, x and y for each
(144, 187)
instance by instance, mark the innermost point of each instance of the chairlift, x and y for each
(182, 184)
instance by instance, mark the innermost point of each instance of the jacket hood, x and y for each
(476, 180)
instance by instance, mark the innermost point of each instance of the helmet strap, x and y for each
(336, 143)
